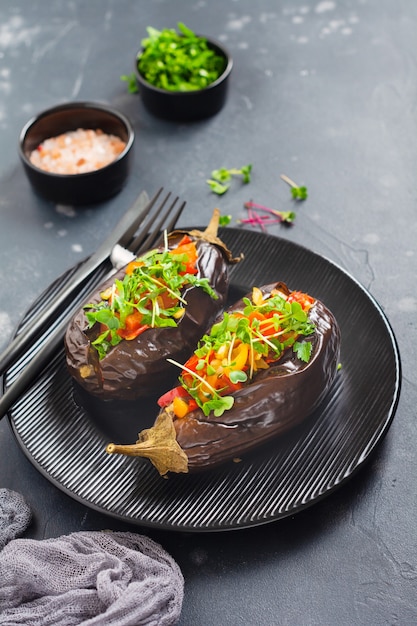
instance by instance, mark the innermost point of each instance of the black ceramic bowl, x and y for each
(187, 106)
(83, 188)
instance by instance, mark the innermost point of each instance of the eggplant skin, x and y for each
(139, 367)
(277, 400)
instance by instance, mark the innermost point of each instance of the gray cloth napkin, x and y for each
(15, 515)
(90, 578)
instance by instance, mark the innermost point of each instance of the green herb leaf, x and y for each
(237, 376)
(227, 403)
(217, 187)
(286, 216)
(299, 193)
(219, 405)
(303, 350)
(222, 176)
(224, 220)
(246, 173)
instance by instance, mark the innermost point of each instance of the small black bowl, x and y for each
(187, 106)
(84, 188)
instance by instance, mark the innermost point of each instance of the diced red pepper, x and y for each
(168, 397)
(187, 246)
(180, 399)
(130, 267)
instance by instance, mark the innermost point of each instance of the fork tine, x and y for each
(130, 232)
(170, 225)
(156, 238)
(43, 349)
(137, 241)
(147, 238)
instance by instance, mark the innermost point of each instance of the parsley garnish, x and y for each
(303, 350)
(179, 61)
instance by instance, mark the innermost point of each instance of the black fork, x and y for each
(33, 349)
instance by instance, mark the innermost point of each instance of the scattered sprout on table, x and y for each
(221, 178)
(297, 192)
(224, 220)
(270, 216)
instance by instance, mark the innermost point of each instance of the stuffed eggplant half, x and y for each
(157, 307)
(264, 366)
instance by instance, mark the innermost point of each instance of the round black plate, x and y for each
(67, 443)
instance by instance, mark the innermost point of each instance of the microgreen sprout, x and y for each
(271, 216)
(217, 187)
(297, 192)
(224, 220)
(221, 178)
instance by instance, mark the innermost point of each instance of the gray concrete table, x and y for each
(322, 91)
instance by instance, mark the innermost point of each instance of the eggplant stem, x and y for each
(210, 235)
(213, 225)
(158, 444)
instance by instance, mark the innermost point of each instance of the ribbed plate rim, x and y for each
(235, 237)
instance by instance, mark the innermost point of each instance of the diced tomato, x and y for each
(133, 326)
(166, 300)
(191, 364)
(304, 299)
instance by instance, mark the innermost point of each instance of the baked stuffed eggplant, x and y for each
(264, 366)
(157, 307)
